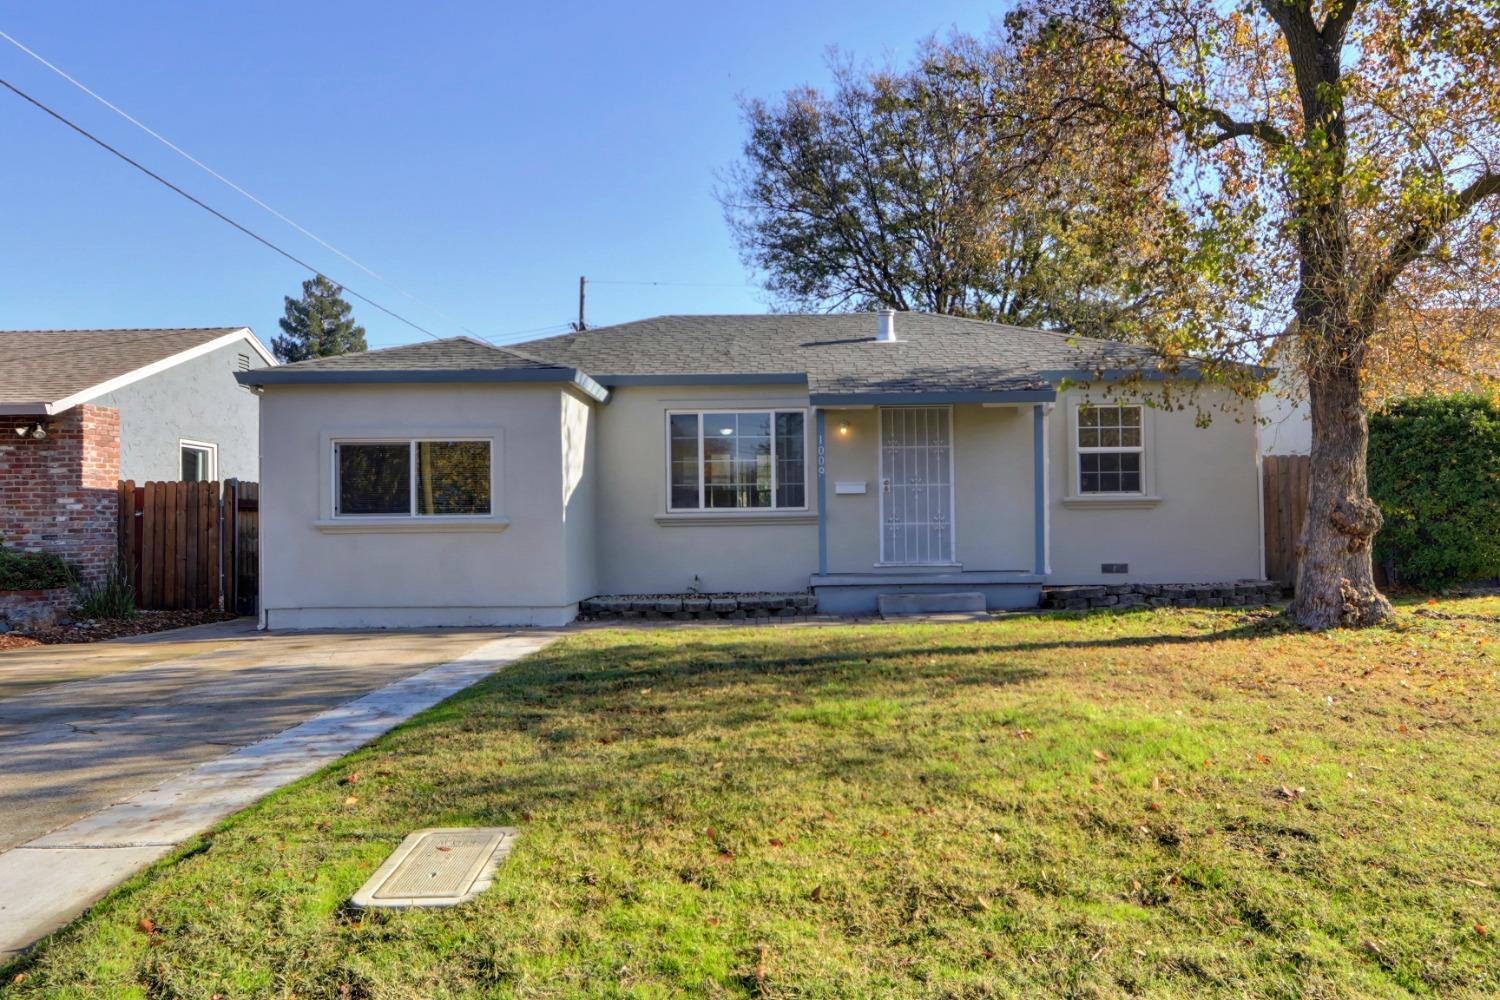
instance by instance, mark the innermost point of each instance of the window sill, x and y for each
(391, 525)
(679, 520)
(1117, 501)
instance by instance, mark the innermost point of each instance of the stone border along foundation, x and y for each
(800, 604)
(686, 607)
(1242, 593)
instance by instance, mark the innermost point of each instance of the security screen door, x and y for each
(916, 485)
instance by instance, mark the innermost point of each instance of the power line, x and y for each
(231, 184)
(504, 338)
(670, 284)
(209, 208)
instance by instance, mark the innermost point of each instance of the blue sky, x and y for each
(479, 155)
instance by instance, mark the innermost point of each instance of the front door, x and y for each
(916, 486)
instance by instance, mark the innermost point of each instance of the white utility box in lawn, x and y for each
(437, 867)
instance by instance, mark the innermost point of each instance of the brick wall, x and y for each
(60, 494)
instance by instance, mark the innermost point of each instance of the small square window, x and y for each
(199, 461)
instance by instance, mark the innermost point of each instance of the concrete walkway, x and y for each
(101, 776)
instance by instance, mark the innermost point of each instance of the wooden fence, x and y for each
(181, 544)
(1284, 479)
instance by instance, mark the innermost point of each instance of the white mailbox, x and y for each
(841, 489)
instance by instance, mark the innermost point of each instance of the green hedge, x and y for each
(1435, 471)
(32, 571)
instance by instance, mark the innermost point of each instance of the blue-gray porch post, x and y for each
(822, 497)
(1039, 486)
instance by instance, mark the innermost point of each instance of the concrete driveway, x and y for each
(82, 727)
(112, 753)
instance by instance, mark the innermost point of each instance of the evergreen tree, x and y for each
(318, 325)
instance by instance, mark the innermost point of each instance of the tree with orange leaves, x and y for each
(1350, 152)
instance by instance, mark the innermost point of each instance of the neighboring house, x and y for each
(1285, 422)
(82, 409)
(456, 483)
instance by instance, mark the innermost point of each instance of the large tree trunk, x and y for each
(1335, 574)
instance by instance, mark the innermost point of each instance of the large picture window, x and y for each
(738, 459)
(1111, 449)
(411, 478)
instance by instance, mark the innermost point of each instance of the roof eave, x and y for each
(934, 397)
(293, 376)
(26, 410)
(706, 378)
(1186, 371)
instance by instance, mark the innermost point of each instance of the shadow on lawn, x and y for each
(629, 722)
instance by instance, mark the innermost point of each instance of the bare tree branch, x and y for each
(1417, 239)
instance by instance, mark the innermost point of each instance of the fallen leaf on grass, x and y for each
(351, 800)
(1479, 929)
(146, 925)
(1100, 755)
(349, 779)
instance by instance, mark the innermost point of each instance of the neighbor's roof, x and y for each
(48, 371)
(838, 357)
(459, 359)
(935, 358)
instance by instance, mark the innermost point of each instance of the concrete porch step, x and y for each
(895, 605)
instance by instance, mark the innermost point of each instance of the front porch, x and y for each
(928, 501)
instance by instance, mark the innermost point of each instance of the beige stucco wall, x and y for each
(528, 573)
(992, 504)
(640, 551)
(1206, 527)
(583, 487)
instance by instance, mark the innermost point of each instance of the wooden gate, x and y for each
(1284, 479)
(241, 547)
(180, 544)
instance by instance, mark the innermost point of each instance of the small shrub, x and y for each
(1434, 466)
(32, 571)
(113, 598)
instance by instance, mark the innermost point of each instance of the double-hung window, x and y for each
(1111, 449)
(411, 478)
(744, 459)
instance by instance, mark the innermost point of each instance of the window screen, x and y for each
(374, 478)
(453, 477)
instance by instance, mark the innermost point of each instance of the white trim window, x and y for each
(736, 460)
(1111, 450)
(199, 461)
(413, 477)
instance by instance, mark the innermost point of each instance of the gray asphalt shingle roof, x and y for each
(39, 367)
(454, 354)
(457, 359)
(836, 355)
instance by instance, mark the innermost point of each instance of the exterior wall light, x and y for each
(843, 428)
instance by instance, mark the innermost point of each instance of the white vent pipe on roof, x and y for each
(885, 330)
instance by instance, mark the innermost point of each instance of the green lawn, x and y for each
(1166, 803)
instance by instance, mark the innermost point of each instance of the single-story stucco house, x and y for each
(853, 455)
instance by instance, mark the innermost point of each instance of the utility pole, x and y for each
(582, 285)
